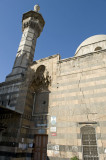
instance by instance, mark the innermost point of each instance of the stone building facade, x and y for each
(54, 108)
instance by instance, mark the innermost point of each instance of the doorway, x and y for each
(40, 147)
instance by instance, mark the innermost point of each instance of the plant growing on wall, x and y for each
(75, 158)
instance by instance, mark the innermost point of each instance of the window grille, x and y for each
(89, 143)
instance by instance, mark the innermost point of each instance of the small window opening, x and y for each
(9, 102)
(44, 102)
(98, 48)
(2, 102)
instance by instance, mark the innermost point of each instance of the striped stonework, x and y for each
(78, 98)
(52, 108)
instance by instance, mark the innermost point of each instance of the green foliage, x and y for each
(74, 158)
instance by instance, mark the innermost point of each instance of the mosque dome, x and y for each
(91, 44)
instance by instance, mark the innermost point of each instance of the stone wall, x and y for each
(9, 94)
(75, 89)
(77, 99)
(9, 133)
(35, 118)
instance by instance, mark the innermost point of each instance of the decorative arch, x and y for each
(41, 69)
(39, 86)
(41, 79)
(89, 143)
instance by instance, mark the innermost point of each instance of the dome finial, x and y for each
(36, 8)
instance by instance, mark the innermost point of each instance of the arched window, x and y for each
(89, 143)
(98, 48)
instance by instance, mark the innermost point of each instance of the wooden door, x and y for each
(40, 149)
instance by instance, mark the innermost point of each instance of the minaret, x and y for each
(32, 26)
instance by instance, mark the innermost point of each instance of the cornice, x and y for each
(82, 56)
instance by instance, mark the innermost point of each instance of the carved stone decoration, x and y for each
(41, 78)
(33, 20)
(33, 25)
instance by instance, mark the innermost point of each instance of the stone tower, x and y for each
(32, 26)
(13, 93)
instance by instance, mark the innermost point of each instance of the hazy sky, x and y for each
(67, 24)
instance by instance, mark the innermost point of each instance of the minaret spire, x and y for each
(32, 26)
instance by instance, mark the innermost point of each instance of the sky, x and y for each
(67, 24)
